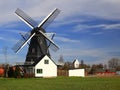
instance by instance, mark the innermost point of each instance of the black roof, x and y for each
(36, 62)
(74, 60)
(39, 59)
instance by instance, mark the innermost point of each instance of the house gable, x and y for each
(46, 68)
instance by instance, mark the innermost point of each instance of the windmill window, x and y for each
(33, 50)
(46, 62)
(39, 71)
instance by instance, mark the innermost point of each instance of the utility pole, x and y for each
(6, 62)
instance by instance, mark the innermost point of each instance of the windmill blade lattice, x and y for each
(27, 19)
(49, 18)
(21, 43)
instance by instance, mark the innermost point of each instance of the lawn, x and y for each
(60, 83)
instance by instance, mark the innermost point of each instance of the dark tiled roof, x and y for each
(74, 61)
(38, 60)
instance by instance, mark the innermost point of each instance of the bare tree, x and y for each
(68, 65)
(114, 63)
(61, 60)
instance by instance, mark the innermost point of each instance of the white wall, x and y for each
(77, 72)
(49, 70)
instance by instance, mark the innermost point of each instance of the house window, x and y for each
(46, 62)
(39, 71)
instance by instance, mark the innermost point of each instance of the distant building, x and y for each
(76, 63)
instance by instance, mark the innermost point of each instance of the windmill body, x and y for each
(39, 41)
(37, 48)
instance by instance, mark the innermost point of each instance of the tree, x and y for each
(68, 65)
(61, 60)
(82, 62)
(96, 68)
(93, 69)
(17, 72)
(10, 72)
(83, 65)
(114, 63)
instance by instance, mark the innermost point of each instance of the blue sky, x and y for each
(85, 29)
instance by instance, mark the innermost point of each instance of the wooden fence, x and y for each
(62, 72)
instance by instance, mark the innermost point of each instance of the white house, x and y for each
(76, 63)
(77, 72)
(45, 67)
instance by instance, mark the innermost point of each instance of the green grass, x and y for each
(60, 83)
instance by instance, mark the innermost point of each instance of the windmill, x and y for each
(40, 42)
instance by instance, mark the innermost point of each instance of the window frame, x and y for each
(39, 71)
(46, 61)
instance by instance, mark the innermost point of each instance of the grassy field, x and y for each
(60, 83)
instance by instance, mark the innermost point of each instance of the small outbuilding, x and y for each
(77, 72)
(76, 63)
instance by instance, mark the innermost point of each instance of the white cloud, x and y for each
(91, 55)
(66, 40)
(11, 58)
(1, 38)
(108, 9)
(97, 33)
(85, 52)
(17, 31)
(112, 26)
(84, 27)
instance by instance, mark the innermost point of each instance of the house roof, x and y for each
(75, 61)
(39, 59)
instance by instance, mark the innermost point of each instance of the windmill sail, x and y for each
(21, 43)
(27, 19)
(45, 23)
(55, 46)
(49, 19)
(50, 45)
(42, 25)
